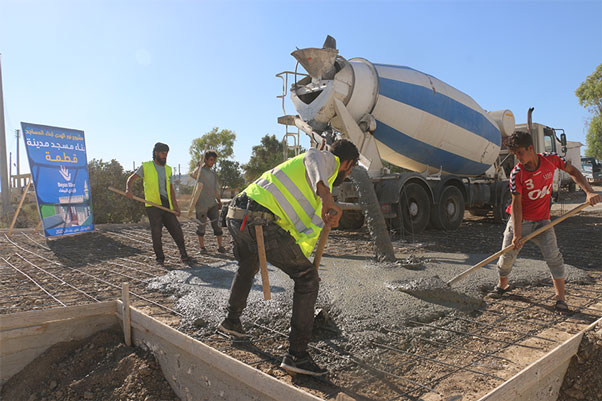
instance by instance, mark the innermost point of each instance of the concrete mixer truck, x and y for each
(451, 150)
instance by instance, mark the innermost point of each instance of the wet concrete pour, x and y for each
(358, 294)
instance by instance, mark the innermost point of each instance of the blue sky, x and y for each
(131, 73)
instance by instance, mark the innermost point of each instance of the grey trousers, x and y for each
(546, 242)
(283, 252)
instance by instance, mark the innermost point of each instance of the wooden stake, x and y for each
(127, 317)
(10, 230)
(263, 263)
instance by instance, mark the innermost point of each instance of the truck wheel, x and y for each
(449, 212)
(499, 211)
(415, 208)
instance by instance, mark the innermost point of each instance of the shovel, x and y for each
(436, 286)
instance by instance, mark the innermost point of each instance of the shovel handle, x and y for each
(322, 241)
(511, 247)
(143, 200)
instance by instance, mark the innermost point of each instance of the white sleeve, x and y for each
(319, 166)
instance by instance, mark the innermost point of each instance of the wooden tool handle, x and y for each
(511, 246)
(263, 263)
(143, 200)
(322, 241)
(198, 187)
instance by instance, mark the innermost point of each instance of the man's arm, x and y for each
(591, 197)
(128, 185)
(328, 203)
(517, 220)
(174, 201)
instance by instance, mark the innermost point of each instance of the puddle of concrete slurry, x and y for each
(361, 295)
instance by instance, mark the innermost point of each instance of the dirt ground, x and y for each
(96, 263)
(97, 368)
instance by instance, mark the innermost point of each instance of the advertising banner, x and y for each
(59, 169)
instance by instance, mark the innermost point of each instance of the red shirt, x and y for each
(536, 186)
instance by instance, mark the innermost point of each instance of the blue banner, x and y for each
(59, 169)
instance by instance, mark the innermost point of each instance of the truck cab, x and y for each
(592, 170)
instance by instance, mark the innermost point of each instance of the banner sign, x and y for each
(59, 169)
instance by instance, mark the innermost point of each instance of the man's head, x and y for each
(210, 157)
(160, 153)
(348, 156)
(521, 145)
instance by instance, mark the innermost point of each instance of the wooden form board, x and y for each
(196, 371)
(542, 379)
(25, 336)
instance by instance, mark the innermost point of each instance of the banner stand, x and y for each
(28, 178)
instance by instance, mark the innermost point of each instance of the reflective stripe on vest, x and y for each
(285, 191)
(151, 183)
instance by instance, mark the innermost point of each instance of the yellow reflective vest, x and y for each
(284, 190)
(151, 183)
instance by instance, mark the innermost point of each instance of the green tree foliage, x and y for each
(590, 97)
(593, 140)
(222, 141)
(230, 174)
(108, 207)
(264, 157)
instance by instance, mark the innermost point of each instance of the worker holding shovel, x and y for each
(209, 202)
(292, 202)
(159, 190)
(531, 187)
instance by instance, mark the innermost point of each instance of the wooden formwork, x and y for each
(196, 371)
(541, 380)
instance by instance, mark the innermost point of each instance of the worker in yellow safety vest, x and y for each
(158, 189)
(292, 202)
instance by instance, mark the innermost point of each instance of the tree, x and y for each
(107, 206)
(222, 141)
(593, 140)
(264, 157)
(590, 97)
(230, 174)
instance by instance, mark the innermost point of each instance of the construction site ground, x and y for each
(378, 343)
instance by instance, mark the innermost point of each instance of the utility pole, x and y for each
(3, 167)
(18, 160)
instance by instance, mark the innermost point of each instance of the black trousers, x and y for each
(159, 218)
(283, 252)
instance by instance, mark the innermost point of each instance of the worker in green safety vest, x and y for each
(292, 202)
(159, 190)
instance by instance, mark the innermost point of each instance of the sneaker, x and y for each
(497, 292)
(204, 251)
(188, 261)
(232, 328)
(221, 249)
(302, 364)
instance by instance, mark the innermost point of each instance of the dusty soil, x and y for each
(96, 263)
(97, 368)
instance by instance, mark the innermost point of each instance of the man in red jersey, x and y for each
(531, 187)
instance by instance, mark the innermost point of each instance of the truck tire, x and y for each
(415, 208)
(448, 213)
(499, 212)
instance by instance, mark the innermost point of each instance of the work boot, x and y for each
(232, 328)
(302, 364)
